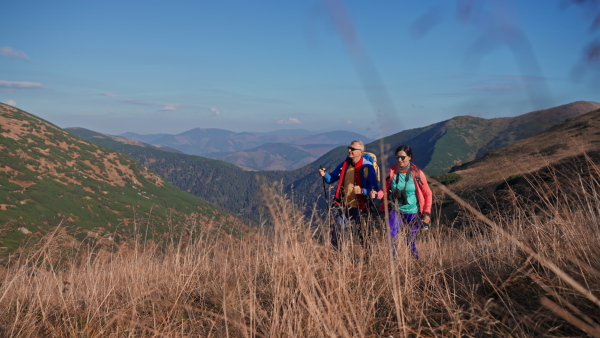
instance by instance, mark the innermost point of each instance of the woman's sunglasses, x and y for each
(399, 157)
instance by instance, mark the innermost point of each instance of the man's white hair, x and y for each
(359, 142)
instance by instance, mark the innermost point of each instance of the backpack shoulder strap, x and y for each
(417, 171)
(419, 178)
(341, 179)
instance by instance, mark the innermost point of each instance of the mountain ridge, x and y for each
(573, 136)
(552, 158)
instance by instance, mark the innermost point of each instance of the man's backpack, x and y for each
(373, 159)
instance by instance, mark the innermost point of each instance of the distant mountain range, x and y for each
(276, 150)
(50, 177)
(437, 147)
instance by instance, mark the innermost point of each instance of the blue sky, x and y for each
(375, 67)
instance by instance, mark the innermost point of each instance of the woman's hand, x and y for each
(357, 190)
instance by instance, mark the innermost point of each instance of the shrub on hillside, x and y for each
(448, 178)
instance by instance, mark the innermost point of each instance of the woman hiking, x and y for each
(409, 198)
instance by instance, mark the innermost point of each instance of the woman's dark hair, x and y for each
(404, 148)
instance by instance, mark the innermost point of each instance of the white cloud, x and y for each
(11, 102)
(20, 84)
(107, 94)
(10, 52)
(215, 111)
(291, 120)
(170, 107)
(348, 121)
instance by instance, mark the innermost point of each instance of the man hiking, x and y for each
(357, 180)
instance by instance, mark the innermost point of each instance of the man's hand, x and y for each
(322, 172)
(357, 190)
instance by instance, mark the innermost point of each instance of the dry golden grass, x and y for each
(514, 276)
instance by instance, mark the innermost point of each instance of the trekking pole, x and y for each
(324, 189)
(374, 214)
(326, 196)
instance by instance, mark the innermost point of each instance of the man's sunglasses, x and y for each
(401, 157)
(353, 149)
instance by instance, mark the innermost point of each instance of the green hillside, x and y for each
(50, 177)
(218, 182)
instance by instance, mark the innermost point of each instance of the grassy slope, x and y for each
(51, 177)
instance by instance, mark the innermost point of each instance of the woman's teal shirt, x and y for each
(412, 207)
